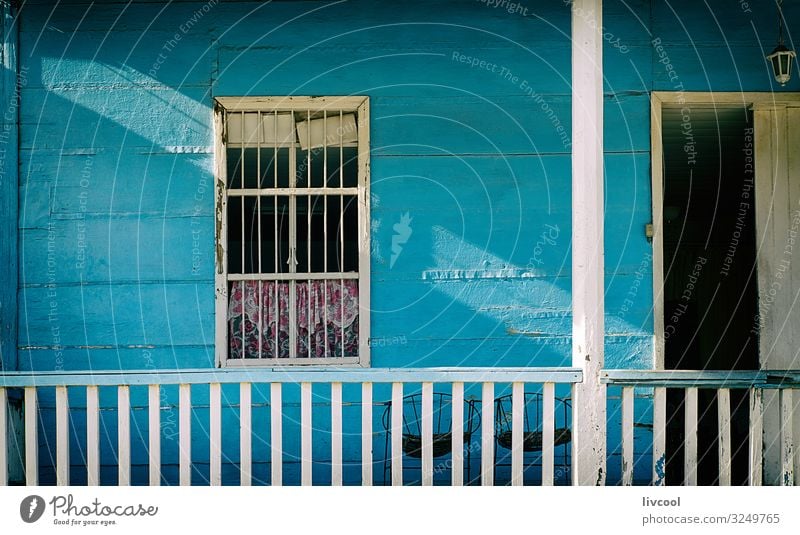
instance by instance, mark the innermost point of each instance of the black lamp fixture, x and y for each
(781, 58)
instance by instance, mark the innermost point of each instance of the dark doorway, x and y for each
(710, 283)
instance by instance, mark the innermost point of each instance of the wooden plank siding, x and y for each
(116, 198)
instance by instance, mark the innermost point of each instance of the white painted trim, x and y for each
(270, 103)
(427, 434)
(220, 242)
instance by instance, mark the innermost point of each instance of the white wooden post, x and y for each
(659, 436)
(62, 436)
(336, 434)
(154, 431)
(724, 441)
(487, 435)
(756, 437)
(458, 434)
(3, 439)
(215, 434)
(589, 414)
(366, 434)
(31, 437)
(627, 435)
(92, 436)
(276, 433)
(185, 434)
(245, 434)
(124, 434)
(397, 434)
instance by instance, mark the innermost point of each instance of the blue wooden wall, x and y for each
(471, 115)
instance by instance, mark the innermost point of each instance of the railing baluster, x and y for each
(548, 433)
(124, 434)
(31, 437)
(366, 434)
(336, 434)
(458, 434)
(3, 438)
(185, 434)
(756, 437)
(627, 435)
(154, 432)
(397, 434)
(276, 433)
(724, 439)
(659, 436)
(305, 432)
(215, 435)
(787, 438)
(690, 441)
(517, 419)
(427, 434)
(245, 434)
(62, 436)
(487, 435)
(92, 436)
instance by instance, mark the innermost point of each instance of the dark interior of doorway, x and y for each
(710, 283)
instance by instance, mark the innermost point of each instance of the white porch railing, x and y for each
(31, 384)
(759, 384)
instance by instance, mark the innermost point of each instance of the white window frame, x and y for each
(344, 104)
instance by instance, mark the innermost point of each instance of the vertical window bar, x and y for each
(308, 232)
(341, 228)
(241, 171)
(292, 252)
(276, 352)
(325, 229)
(258, 215)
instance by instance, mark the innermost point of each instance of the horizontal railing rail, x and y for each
(90, 382)
(778, 385)
(285, 374)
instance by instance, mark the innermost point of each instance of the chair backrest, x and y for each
(442, 415)
(532, 414)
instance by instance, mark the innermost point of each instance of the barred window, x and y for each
(293, 230)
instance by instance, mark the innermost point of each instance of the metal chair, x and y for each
(532, 420)
(442, 430)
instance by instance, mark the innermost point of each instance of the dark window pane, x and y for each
(269, 158)
(250, 168)
(311, 234)
(234, 249)
(234, 170)
(350, 233)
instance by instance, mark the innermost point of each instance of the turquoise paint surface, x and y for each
(116, 196)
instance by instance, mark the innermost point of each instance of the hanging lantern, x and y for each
(781, 58)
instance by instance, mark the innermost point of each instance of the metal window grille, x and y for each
(297, 235)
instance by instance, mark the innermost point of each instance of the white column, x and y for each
(589, 416)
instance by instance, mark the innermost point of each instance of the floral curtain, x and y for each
(327, 319)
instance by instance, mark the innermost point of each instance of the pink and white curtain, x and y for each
(326, 312)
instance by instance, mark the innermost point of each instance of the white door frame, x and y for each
(682, 98)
